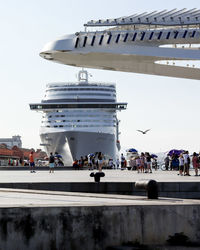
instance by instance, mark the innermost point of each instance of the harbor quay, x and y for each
(32, 219)
(67, 209)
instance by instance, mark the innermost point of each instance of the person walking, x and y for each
(51, 163)
(31, 162)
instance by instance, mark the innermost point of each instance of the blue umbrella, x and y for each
(58, 156)
(175, 151)
(154, 156)
(90, 155)
(132, 150)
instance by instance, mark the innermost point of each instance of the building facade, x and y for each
(11, 142)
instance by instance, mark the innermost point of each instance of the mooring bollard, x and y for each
(150, 186)
(97, 176)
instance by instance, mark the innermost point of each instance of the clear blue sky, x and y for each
(169, 106)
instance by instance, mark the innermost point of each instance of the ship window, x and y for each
(55, 126)
(85, 40)
(126, 36)
(93, 39)
(151, 35)
(193, 34)
(168, 35)
(117, 39)
(176, 34)
(142, 37)
(61, 126)
(101, 39)
(109, 39)
(134, 37)
(159, 36)
(77, 41)
(50, 116)
(185, 33)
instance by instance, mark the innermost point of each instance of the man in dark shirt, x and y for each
(51, 163)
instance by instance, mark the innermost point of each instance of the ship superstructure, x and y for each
(80, 118)
(162, 43)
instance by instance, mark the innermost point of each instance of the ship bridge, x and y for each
(57, 106)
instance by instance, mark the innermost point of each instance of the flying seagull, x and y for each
(143, 132)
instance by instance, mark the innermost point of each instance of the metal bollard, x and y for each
(97, 176)
(150, 186)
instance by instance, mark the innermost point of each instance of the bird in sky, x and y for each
(143, 132)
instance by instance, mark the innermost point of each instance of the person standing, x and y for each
(148, 162)
(31, 162)
(181, 164)
(100, 161)
(195, 163)
(142, 158)
(122, 162)
(138, 163)
(51, 163)
(186, 163)
(117, 163)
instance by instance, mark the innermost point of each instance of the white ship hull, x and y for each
(74, 144)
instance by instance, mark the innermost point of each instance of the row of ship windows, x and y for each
(79, 115)
(79, 126)
(56, 121)
(82, 94)
(159, 35)
(81, 89)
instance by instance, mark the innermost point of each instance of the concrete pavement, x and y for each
(35, 198)
(83, 176)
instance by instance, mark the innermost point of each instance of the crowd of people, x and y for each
(92, 161)
(182, 162)
(142, 163)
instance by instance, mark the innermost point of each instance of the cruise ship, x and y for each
(80, 118)
(164, 43)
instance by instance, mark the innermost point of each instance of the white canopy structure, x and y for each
(165, 43)
(161, 18)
